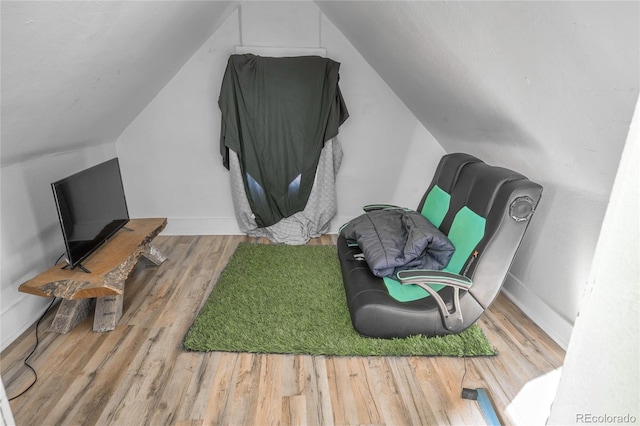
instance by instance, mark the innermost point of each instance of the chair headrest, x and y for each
(472, 183)
(478, 186)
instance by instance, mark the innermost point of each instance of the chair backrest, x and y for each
(484, 210)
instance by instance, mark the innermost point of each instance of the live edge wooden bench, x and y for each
(109, 267)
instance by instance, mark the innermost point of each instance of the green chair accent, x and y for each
(436, 205)
(466, 232)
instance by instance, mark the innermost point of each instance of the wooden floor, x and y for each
(138, 374)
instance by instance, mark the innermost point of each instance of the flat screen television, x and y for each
(91, 207)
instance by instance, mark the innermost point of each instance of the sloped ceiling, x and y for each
(542, 84)
(545, 87)
(77, 73)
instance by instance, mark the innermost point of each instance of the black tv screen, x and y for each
(91, 207)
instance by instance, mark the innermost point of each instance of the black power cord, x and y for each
(480, 395)
(26, 360)
(61, 256)
(464, 360)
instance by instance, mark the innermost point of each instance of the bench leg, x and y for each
(108, 309)
(108, 312)
(71, 313)
(153, 255)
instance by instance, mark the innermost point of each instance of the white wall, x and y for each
(546, 88)
(600, 376)
(169, 153)
(30, 232)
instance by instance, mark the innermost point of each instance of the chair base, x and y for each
(374, 313)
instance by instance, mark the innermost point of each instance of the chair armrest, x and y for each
(451, 319)
(372, 207)
(427, 276)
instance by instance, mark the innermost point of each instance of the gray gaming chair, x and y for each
(484, 211)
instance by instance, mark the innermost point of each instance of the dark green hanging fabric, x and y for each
(276, 115)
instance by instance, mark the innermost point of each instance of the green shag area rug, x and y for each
(291, 300)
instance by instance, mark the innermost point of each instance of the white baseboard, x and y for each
(222, 226)
(535, 308)
(20, 316)
(202, 226)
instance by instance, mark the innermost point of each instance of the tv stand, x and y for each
(79, 265)
(103, 288)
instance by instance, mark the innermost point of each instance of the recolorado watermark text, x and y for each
(589, 418)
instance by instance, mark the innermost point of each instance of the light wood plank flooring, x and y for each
(138, 374)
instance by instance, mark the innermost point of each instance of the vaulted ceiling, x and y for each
(523, 80)
(77, 73)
